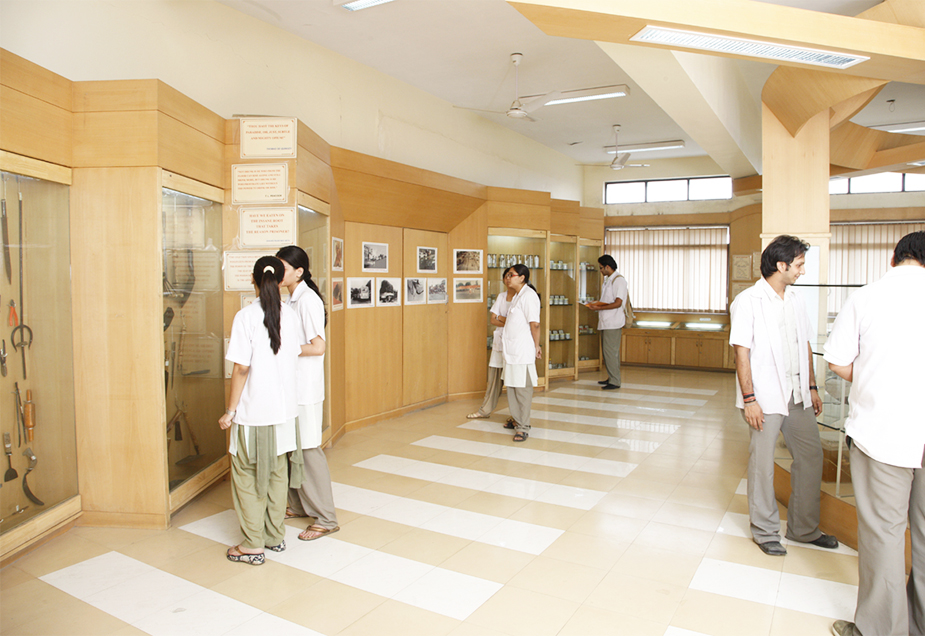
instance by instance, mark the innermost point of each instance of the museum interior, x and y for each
(152, 150)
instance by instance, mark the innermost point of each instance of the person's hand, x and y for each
(539, 352)
(817, 401)
(502, 319)
(225, 421)
(754, 416)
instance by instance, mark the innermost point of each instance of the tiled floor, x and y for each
(623, 513)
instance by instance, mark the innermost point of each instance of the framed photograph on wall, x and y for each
(467, 262)
(388, 292)
(436, 291)
(467, 290)
(375, 257)
(361, 292)
(427, 260)
(337, 254)
(337, 294)
(415, 291)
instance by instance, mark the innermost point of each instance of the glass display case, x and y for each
(193, 345)
(589, 288)
(36, 350)
(563, 306)
(505, 248)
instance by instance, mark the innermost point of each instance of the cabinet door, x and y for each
(659, 350)
(711, 353)
(636, 349)
(687, 351)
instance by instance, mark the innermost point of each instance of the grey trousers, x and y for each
(315, 498)
(886, 496)
(610, 346)
(492, 392)
(802, 436)
(519, 400)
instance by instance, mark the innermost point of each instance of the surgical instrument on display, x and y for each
(5, 228)
(20, 417)
(25, 333)
(13, 320)
(11, 473)
(25, 484)
(3, 358)
(18, 511)
(29, 415)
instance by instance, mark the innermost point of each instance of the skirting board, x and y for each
(390, 415)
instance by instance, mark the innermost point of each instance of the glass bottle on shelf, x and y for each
(563, 253)
(589, 289)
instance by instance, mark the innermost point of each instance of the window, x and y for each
(876, 183)
(660, 190)
(673, 269)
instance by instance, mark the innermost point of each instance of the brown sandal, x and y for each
(317, 531)
(292, 514)
(476, 416)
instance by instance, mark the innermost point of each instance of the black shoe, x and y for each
(827, 541)
(773, 548)
(603, 382)
(610, 387)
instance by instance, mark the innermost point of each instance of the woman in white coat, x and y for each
(261, 412)
(521, 350)
(314, 498)
(496, 362)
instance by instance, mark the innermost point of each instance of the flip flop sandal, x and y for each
(510, 423)
(319, 531)
(521, 436)
(241, 557)
(292, 514)
(476, 416)
(277, 548)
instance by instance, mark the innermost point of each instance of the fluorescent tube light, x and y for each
(908, 127)
(590, 94)
(746, 47)
(918, 164)
(357, 5)
(704, 326)
(648, 147)
(653, 324)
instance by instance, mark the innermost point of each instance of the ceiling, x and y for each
(459, 51)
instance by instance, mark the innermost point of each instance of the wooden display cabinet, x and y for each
(561, 298)
(646, 347)
(589, 288)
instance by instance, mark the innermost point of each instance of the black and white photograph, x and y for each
(375, 257)
(415, 291)
(388, 292)
(361, 292)
(436, 291)
(427, 260)
(337, 294)
(467, 290)
(467, 261)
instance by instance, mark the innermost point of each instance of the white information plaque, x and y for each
(259, 183)
(268, 137)
(239, 270)
(268, 227)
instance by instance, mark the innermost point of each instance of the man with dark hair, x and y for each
(878, 343)
(777, 394)
(610, 319)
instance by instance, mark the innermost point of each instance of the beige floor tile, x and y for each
(399, 619)
(675, 538)
(423, 453)
(11, 576)
(194, 511)
(371, 532)
(670, 462)
(664, 565)
(596, 552)
(731, 466)
(425, 546)
(497, 466)
(520, 612)
(590, 481)
(643, 598)
(790, 623)
(594, 621)
(38, 609)
(703, 497)
(617, 503)
(543, 473)
(841, 568)
(712, 481)
(489, 503)
(679, 514)
(616, 527)
(166, 546)
(742, 551)
(561, 579)
(488, 562)
(739, 504)
(659, 474)
(549, 515)
(621, 455)
(327, 607)
(267, 586)
(469, 629)
(58, 553)
(443, 494)
(644, 488)
(219, 494)
(722, 615)
(206, 567)
(115, 538)
(447, 458)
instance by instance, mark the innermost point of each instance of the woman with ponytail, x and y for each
(262, 408)
(315, 497)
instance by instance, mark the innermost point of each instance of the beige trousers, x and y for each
(314, 497)
(610, 347)
(492, 392)
(519, 400)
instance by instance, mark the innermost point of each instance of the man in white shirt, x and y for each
(878, 343)
(610, 319)
(777, 393)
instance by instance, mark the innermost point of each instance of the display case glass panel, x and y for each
(193, 344)
(563, 306)
(589, 288)
(37, 350)
(505, 248)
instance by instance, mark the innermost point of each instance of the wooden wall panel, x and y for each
(118, 344)
(372, 337)
(424, 327)
(565, 217)
(22, 75)
(190, 152)
(591, 223)
(313, 175)
(525, 216)
(115, 95)
(468, 331)
(121, 139)
(35, 128)
(338, 346)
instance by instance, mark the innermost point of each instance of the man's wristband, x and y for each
(748, 395)
(750, 401)
(813, 387)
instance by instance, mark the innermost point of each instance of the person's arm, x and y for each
(599, 306)
(844, 372)
(753, 413)
(535, 332)
(238, 379)
(314, 348)
(497, 321)
(814, 393)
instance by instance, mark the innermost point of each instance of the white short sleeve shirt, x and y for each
(518, 344)
(499, 308)
(613, 287)
(310, 309)
(270, 393)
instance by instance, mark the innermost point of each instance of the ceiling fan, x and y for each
(519, 109)
(620, 158)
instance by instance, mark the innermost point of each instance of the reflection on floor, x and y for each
(623, 513)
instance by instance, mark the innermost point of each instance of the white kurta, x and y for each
(310, 309)
(519, 350)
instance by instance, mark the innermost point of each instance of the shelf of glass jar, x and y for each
(503, 261)
(556, 266)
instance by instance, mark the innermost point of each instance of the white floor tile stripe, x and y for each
(656, 387)
(518, 487)
(162, 604)
(627, 396)
(571, 437)
(736, 524)
(529, 456)
(635, 408)
(771, 587)
(464, 524)
(428, 587)
(605, 422)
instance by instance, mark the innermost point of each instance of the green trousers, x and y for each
(261, 518)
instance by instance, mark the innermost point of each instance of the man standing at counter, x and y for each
(877, 343)
(777, 394)
(610, 319)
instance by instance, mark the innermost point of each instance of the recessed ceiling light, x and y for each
(745, 47)
(356, 5)
(655, 145)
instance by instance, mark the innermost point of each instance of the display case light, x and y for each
(704, 326)
(653, 324)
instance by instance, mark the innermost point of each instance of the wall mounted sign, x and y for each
(268, 137)
(259, 183)
(268, 227)
(239, 270)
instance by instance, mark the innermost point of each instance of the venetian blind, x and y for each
(673, 269)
